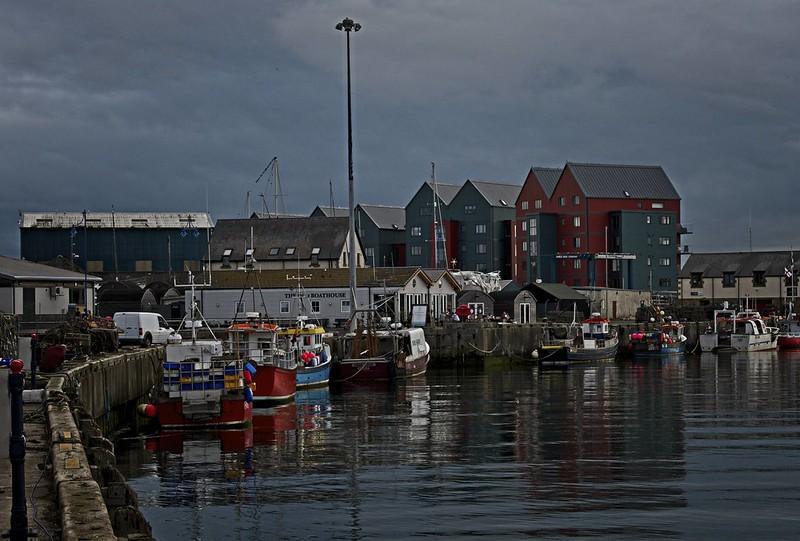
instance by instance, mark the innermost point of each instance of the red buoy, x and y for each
(16, 366)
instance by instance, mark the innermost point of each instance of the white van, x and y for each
(143, 328)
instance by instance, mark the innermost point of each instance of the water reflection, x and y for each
(626, 450)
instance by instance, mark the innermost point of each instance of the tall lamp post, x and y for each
(348, 25)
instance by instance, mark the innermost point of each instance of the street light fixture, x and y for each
(348, 25)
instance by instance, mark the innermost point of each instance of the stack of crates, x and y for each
(183, 377)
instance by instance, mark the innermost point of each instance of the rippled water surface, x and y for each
(703, 448)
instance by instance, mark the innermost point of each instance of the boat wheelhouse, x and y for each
(306, 344)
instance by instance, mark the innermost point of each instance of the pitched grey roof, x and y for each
(302, 234)
(446, 191)
(21, 270)
(497, 194)
(386, 217)
(554, 291)
(612, 181)
(331, 212)
(548, 178)
(120, 220)
(712, 265)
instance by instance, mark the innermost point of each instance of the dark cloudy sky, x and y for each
(142, 104)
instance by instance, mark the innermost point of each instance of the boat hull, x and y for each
(274, 384)
(753, 342)
(595, 354)
(788, 342)
(232, 412)
(312, 376)
(363, 370)
(658, 350)
(415, 367)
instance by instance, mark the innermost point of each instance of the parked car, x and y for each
(144, 328)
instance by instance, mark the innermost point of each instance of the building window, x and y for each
(284, 308)
(425, 211)
(524, 205)
(648, 219)
(533, 227)
(562, 201)
(369, 253)
(666, 220)
(524, 246)
(416, 231)
(563, 243)
(664, 282)
(94, 266)
(615, 265)
(144, 265)
(480, 229)
(537, 204)
(576, 242)
(576, 199)
(314, 251)
(658, 205)
(759, 279)
(469, 209)
(728, 279)
(664, 261)
(274, 251)
(480, 248)
(416, 250)
(649, 241)
(576, 221)
(649, 261)
(345, 307)
(696, 280)
(290, 250)
(525, 225)
(463, 247)
(315, 307)
(576, 264)
(533, 245)
(664, 241)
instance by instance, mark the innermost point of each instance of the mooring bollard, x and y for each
(16, 451)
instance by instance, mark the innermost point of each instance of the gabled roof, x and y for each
(331, 212)
(20, 270)
(302, 234)
(436, 274)
(548, 178)
(554, 292)
(497, 194)
(119, 220)
(385, 217)
(446, 191)
(317, 278)
(712, 265)
(620, 181)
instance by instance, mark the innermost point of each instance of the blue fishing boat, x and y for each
(306, 343)
(665, 341)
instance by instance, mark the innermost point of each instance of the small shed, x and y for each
(480, 303)
(557, 300)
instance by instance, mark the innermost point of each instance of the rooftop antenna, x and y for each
(330, 189)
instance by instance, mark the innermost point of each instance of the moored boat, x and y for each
(591, 340)
(368, 355)
(789, 335)
(667, 340)
(201, 385)
(272, 368)
(306, 344)
(751, 333)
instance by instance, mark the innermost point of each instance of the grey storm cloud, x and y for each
(150, 105)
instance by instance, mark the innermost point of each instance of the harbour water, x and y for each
(697, 448)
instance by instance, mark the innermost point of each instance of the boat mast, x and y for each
(438, 231)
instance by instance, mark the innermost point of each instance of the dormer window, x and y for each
(290, 250)
(274, 251)
(696, 280)
(226, 258)
(314, 251)
(249, 252)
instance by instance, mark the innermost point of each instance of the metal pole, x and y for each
(349, 26)
(85, 263)
(16, 447)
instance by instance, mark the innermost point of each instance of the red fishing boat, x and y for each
(201, 386)
(789, 335)
(272, 369)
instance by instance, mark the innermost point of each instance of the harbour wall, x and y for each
(94, 500)
(477, 340)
